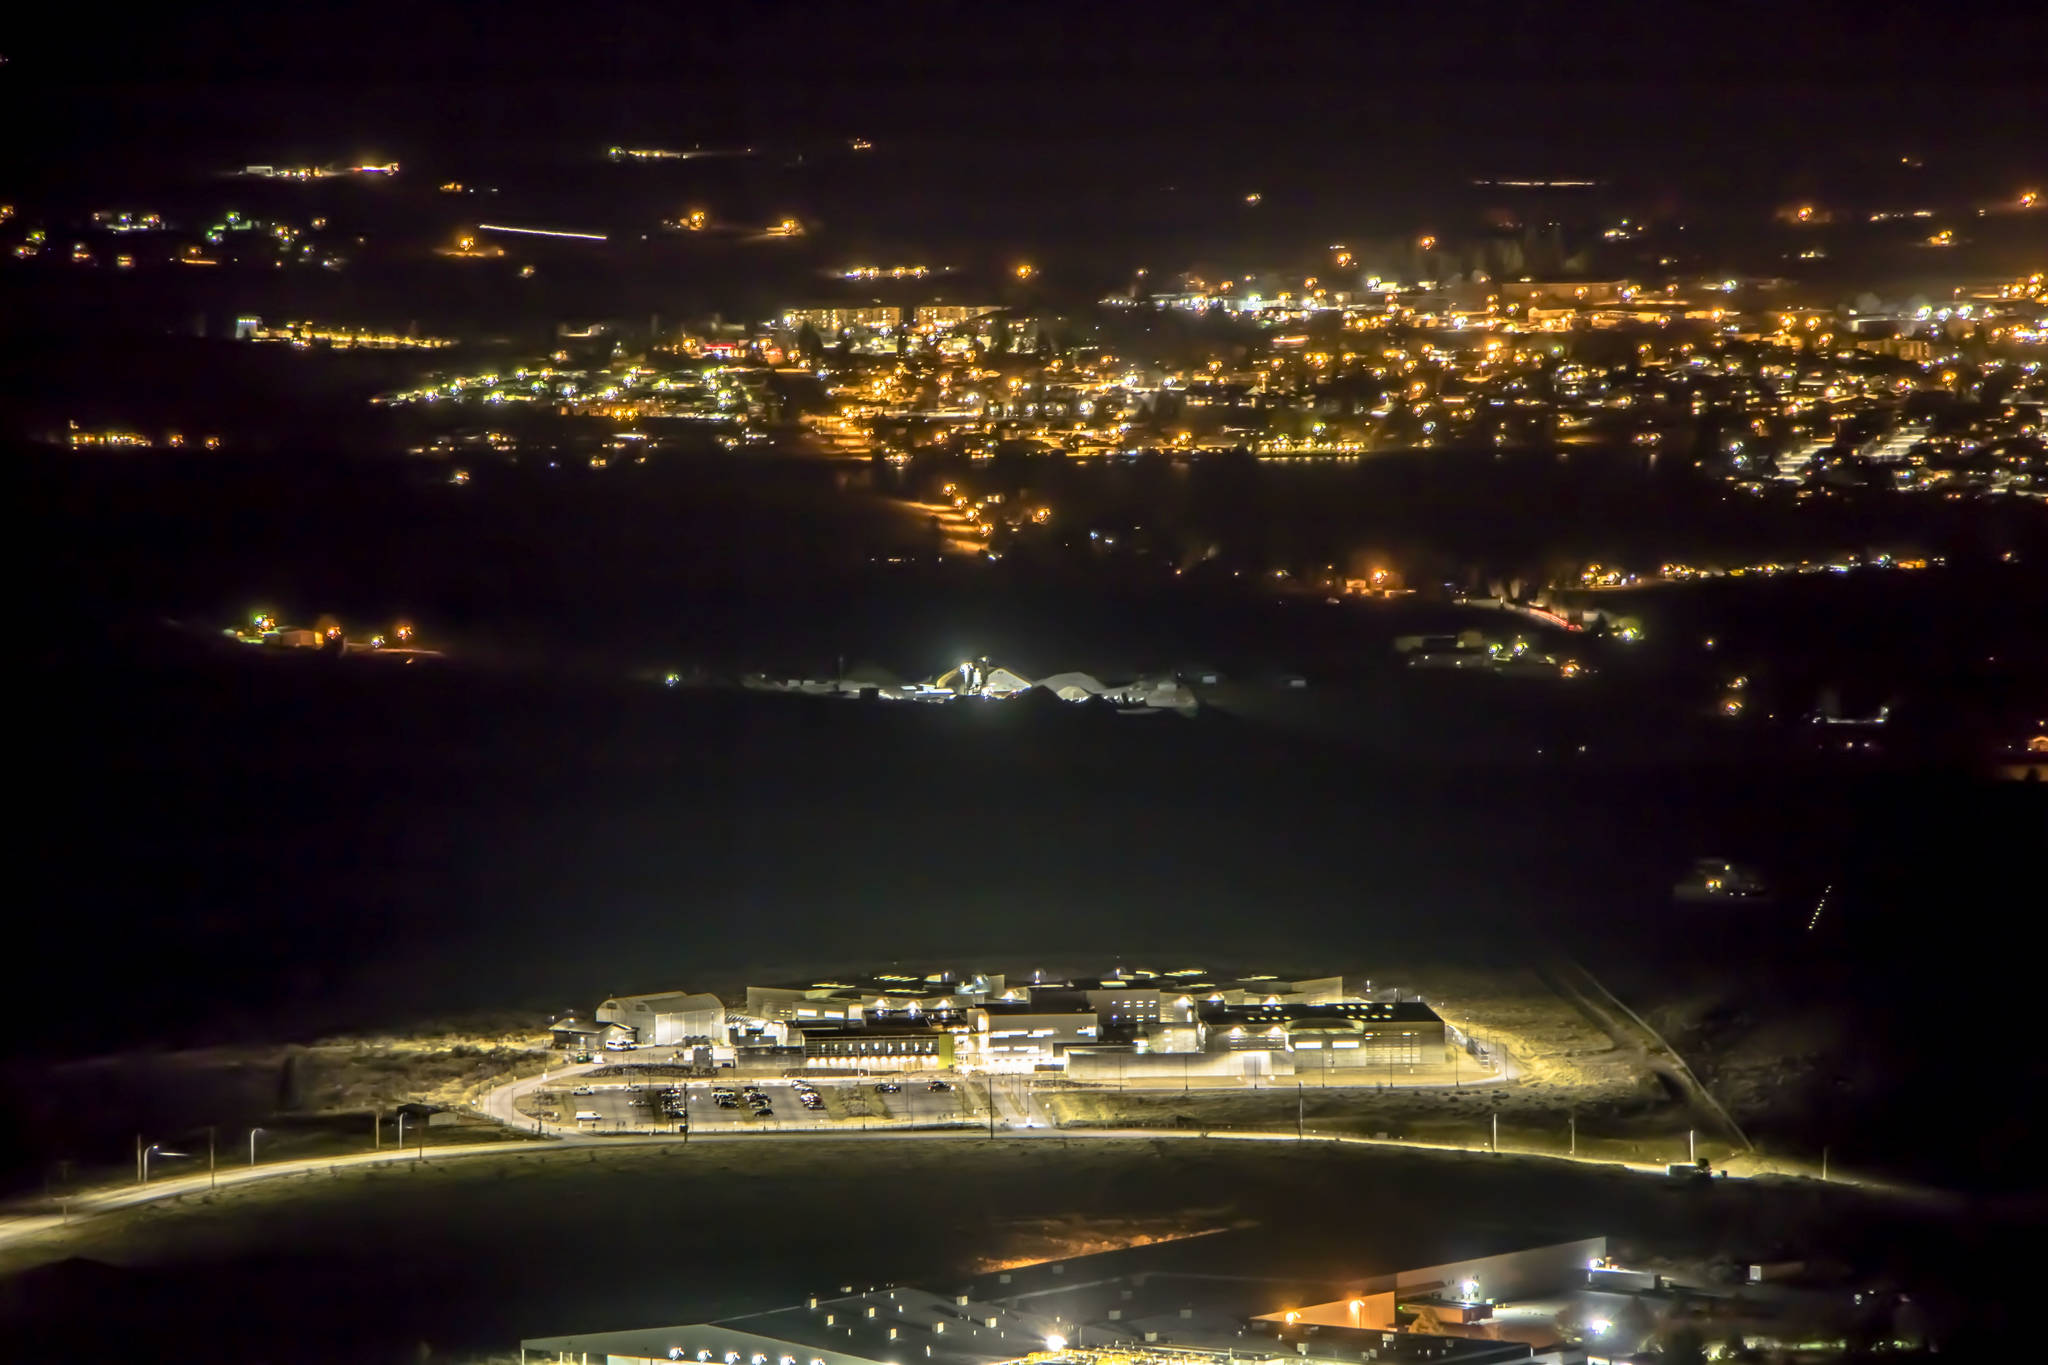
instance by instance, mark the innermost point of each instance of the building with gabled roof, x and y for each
(666, 1017)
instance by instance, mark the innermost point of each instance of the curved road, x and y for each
(1628, 1029)
(1018, 1117)
(23, 1227)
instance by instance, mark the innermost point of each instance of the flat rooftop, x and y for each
(1199, 1295)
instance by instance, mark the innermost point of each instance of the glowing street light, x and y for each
(154, 1149)
(1055, 1343)
(1025, 270)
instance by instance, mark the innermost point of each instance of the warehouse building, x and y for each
(581, 1035)
(1163, 1304)
(1021, 1037)
(894, 1043)
(1342, 1033)
(934, 993)
(1453, 1294)
(667, 1017)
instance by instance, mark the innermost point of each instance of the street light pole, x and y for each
(252, 1145)
(212, 1179)
(991, 1106)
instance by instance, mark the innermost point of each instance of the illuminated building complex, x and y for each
(1189, 1301)
(1123, 1025)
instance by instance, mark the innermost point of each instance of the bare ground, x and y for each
(471, 1253)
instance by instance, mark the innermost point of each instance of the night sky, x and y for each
(1675, 93)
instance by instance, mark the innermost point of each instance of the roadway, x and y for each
(943, 1116)
(26, 1226)
(1628, 1029)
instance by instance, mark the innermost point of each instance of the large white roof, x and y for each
(667, 1002)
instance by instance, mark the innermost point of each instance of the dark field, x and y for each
(470, 1255)
(234, 846)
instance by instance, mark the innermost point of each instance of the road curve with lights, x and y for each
(1018, 1119)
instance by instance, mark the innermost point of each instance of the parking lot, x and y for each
(754, 1103)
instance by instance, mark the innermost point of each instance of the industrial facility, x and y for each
(1123, 1025)
(1210, 1299)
